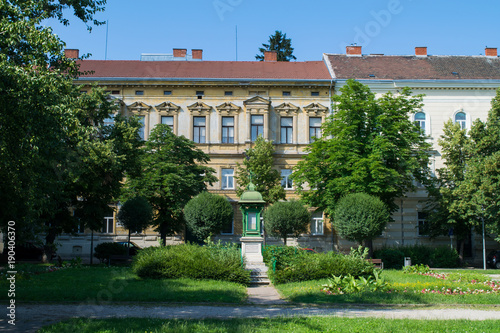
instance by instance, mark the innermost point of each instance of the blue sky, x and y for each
(391, 27)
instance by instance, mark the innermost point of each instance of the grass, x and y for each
(297, 324)
(118, 284)
(310, 291)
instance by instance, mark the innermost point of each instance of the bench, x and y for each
(120, 258)
(377, 262)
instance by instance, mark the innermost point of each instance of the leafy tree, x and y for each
(470, 181)
(360, 217)
(207, 214)
(173, 171)
(279, 43)
(368, 146)
(53, 150)
(136, 214)
(286, 218)
(259, 163)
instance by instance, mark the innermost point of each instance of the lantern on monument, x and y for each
(251, 205)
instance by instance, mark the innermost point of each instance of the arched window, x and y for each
(460, 118)
(420, 120)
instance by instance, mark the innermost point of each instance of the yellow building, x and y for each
(222, 106)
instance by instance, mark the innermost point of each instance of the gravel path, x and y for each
(31, 317)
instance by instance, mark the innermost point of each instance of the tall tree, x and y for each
(258, 163)
(53, 150)
(279, 43)
(173, 171)
(287, 218)
(368, 145)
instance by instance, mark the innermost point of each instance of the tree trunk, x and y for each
(128, 244)
(49, 247)
(369, 245)
(284, 240)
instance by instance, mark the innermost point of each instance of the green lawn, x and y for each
(295, 325)
(405, 289)
(119, 284)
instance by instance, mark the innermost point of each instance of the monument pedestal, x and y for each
(251, 249)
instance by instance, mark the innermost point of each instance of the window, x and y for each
(252, 221)
(167, 92)
(228, 93)
(257, 93)
(460, 118)
(142, 120)
(139, 92)
(107, 226)
(286, 129)
(227, 179)
(200, 94)
(317, 223)
(314, 128)
(199, 130)
(115, 92)
(257, 127)
(286, 181)
(314, 93)
(420, 120)
(287, 93)
(421, 217)
(228, 229)
(227, 129)
(168, 120)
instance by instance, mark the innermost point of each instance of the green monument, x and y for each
(251, 205)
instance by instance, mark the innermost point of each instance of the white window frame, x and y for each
(427, 122)
(162, 117)
(108, 222)
(225, 179)
(285, 179)
(232, 229)
(315, 222)
(464, 124)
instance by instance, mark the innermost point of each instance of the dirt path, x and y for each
(32, 317)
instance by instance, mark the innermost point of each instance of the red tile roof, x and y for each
(379, 67)
(309, 70)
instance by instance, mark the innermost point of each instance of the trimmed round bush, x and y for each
(207, 214)
(360, 216)
(191, 261)
(287, 218)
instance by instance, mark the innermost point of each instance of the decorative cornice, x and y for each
(257, 104)
(168, 108)
(199, 109)
(286, 109)
(228, 108)
(316, 109)
(139, 107)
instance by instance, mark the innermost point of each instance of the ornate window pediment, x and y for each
(257, 104)
(286, 109)
(316, 109)
(228, 109)
(139, 107)
(199, 109)
(168, 108)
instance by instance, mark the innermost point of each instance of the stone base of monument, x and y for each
(251, 249)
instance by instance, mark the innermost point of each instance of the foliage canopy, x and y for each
(286, 218)
(279, 43)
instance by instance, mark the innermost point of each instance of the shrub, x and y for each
(290, 264)
(104, 250)
(360, 216)
(444, 257)
(392, 257)
(207, 214)
(285, 218)
(191, 261)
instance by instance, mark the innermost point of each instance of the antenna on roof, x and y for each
(236, 43)
(106, 50)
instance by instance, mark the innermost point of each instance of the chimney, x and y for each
(197, 54)
(74, 53)
(180, 53)
(490, 52)
(421, 51)
(353, 50)
(270, 56)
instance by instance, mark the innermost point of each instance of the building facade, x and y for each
(224, 105)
